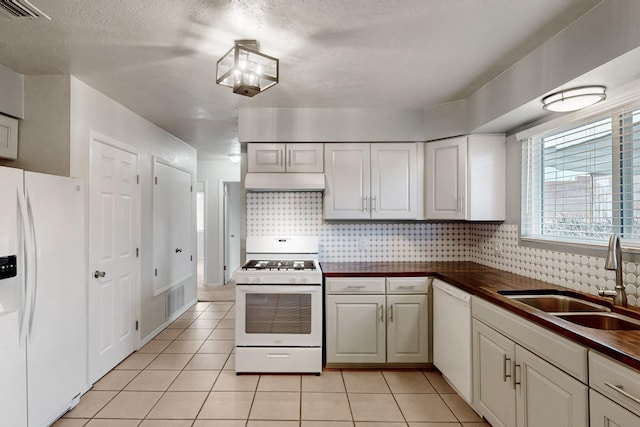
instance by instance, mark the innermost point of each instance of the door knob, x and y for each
(99, 274)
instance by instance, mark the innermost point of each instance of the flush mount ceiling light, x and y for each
(574, 99)
(246, 70)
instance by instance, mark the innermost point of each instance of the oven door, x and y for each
(279, 315)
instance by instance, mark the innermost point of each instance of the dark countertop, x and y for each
(484, 282)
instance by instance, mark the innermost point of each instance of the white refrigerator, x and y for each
(43, 320)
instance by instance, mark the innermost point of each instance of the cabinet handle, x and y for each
(381, 313)
(374, 203)
(517, 381)
(289, 157)
(391, 313)
(504, 368)
(355, 287)
(461, 203)
(406, 287)
(365, 199)
(622, 391)
(281, 157)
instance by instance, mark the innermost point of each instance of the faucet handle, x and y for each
(606, 293)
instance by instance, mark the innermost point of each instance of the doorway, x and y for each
(231, 234)
(201, 231)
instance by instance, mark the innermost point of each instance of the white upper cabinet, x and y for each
(348, 181)
(286, 158)
(8, 137)
(465, 178)
(394, 181)
(446, 178)
(372, 181)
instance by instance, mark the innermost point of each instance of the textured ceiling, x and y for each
(158, 57)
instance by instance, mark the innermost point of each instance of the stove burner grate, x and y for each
(302, 265)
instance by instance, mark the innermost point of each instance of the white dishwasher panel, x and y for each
(452, 336)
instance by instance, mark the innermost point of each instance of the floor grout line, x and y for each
(209, 392)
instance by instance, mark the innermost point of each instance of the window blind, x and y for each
(582, 183)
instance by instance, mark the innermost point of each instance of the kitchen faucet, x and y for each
(614, 262)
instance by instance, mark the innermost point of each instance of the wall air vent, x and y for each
(175, 301)
(21, 9)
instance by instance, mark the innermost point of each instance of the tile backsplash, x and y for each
(494, 245)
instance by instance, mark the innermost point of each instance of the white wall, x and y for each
(330, 124)
(93, 111)
(214, 173)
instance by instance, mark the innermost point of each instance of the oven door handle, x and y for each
(280, 289)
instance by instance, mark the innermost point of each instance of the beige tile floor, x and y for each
(185, 377)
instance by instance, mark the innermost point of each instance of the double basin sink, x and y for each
(574, 309)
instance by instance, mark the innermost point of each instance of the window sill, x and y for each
(631, 253)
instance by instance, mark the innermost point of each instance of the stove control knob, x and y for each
(255, 280)
(300, 280)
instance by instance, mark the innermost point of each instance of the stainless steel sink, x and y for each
(555, 303)
(607, 321)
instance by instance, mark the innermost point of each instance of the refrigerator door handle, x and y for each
(26, 241)
(34, 265)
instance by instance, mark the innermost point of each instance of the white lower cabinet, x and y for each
(614, 394)
(356, 329)
(605, 413)
(546, 396)
(493, 375)
(407, 329)
(515, 387)
(366, 324)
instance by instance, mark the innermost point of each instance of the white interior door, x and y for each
(114, 285)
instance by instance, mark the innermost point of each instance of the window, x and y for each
(582, 183)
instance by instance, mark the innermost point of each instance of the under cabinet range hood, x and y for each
(284, 181)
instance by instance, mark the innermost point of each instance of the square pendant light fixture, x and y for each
(574, 99)
(245, 69)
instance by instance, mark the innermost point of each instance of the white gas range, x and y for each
(279, 306)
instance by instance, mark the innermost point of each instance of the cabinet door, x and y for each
(546, 396)
(445, 177)
(307, 158)
(605, 413)
(355, 329)
(486, 186)
(347, 169)
(407, 329)
(493, 383)
(266, 157)
(394, 181)
(8, 137)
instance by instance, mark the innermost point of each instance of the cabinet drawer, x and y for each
(269, 359)
(408, 285)
(616, 381)
(355, 285)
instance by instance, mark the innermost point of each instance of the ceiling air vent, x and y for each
(21, 9)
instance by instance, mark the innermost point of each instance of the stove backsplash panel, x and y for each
(494, 245)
